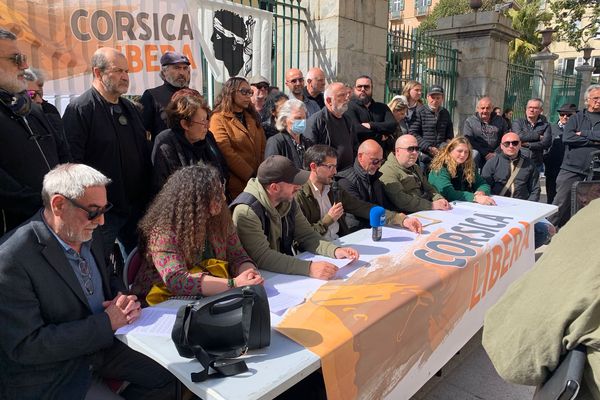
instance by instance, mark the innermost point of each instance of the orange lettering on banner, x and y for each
(475, 292)
(506, 263)
(496, 266)
(517, 234)
(487, 273)
(147, 59)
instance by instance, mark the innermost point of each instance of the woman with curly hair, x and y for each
(187, 141)
(239, 134)
(454, 175)
(188, 240)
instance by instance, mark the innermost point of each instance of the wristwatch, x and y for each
(230, 283)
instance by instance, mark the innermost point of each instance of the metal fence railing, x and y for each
(520, 81)
(565, 89)
(413, 55)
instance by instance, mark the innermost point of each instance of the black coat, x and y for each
(379, 117)
(535, 139)
(496, 172)
(173, 151)
(284, 145)
(155, 101)
(429, 130)
(489, 141)
(92, 136)
(579, 147)
(23, 164)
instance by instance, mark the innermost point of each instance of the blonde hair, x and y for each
(410, 85)
(444, 159)
(398, 103)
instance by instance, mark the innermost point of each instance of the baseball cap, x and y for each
(433, 89)
(256, 79)
(278, 168)
(172, 57)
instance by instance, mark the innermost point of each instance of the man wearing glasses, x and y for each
(405, 184)
(29, 146)
(59, 308)
(581, 138)
(511, 174)
(106, 132)
(294, 80)
(260, 90)
(371, 119)
(176, 73)
(324, 204)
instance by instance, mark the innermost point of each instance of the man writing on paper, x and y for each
(324, 204)
(405, 184)
(270, 223)
(511, 174)
(59, 308)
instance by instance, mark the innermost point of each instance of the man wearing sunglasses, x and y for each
(60, 307)
(29, 146)
(511, 174)
(325, 205)
(404, 182)
(106, 131)
(175, 71)
(294, 80)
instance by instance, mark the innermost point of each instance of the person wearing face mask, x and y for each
(290, 142)
(175, 71)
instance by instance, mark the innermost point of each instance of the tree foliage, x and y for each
(576, 21)
(447, 8)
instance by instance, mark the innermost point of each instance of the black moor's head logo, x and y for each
(232, 41)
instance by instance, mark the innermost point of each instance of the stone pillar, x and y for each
(482, 41)
(347, 38)
(586, 80)
(544, 62)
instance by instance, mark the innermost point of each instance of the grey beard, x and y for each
(177, 83)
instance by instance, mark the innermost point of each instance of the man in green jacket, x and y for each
(270, 223)
(552, 309)
(323, 203)
(405, 184)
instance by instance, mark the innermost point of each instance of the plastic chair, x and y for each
(131, 268)
(565, 381)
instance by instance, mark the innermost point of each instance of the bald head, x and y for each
(484, 108)
(510, 145)
(294, 80)
(315, 81)
(370, 156)
(406, 150)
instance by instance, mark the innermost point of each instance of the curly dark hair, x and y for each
(182, 206)
(271, 104)
(224, 102)
(183, 106)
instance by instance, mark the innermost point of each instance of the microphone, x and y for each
(335, 191)
(377, 220)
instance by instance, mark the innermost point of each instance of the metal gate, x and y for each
(413, 55)
(520, 81)
(565, 89)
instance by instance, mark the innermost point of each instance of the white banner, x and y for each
(236, 39)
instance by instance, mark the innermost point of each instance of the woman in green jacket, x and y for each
(454, 175)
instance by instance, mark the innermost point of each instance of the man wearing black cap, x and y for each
(270, 223)
(432, 125)
(260, 90)
(554, 156)
(175, 72)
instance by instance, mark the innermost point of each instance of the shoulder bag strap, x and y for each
(510, 180)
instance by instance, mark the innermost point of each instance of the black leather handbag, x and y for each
(217, 329)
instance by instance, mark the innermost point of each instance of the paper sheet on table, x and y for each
(154, 321)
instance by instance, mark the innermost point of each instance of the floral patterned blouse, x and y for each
(169, 266)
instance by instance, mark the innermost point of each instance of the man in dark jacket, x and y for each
(554, 156)
(106, 132)
(362, 181)
(534, 131)
(484, 130)
(29, 146)
(331, 126)
(431, 125)
(371, 119)
(581, 138)
(324, 205)
(175, 72)
(525, 185)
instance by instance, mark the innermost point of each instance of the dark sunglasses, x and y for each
(261, 86)
(410, 149)
(377, 161)
(513, 143)
(565, 114)
(19, 59)
(91, 214)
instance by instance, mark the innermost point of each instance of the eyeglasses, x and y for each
(86, 275)
(329, 166)
(296, 80)
(33, 93)
(366, 87)
(261, 86)
(410, 149)
(377, 161)
(91, 214)
(596, 99)
(19, 59)
(513, 143)
(565, 114)
(245, 92)
(204, 122)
